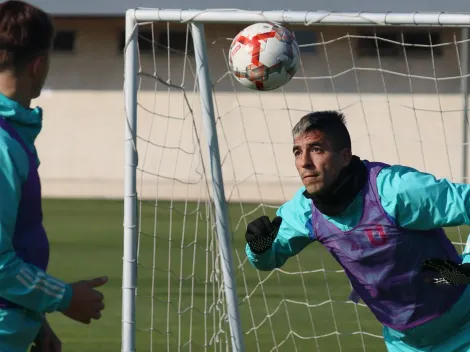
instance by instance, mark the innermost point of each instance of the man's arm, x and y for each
(295, 233)
(417, 200)
(22, 283)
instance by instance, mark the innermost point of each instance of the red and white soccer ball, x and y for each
(264, 56)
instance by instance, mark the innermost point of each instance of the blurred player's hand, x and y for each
(87, 302)
(448, 273)
(46, 340)
(260, 233)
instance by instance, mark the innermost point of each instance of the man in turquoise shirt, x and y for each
(27, 291)
(383, 224)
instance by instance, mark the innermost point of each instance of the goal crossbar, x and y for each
(197, 18)
(302, 17)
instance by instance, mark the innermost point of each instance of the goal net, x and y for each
(204, 156)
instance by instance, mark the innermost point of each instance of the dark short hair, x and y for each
(331, 123)
(26, 32)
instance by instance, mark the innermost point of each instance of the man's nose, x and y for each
(307, 161)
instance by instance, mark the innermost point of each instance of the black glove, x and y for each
(260, 233)
(449, 273)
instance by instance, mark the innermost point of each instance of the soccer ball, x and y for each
(264, 56)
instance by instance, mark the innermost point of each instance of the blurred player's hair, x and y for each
(331, 123)
(26, 32)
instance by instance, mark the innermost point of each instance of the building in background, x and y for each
(81, 147)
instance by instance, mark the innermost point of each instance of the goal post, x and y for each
(129, 269)
(198, 286)
(221, 210)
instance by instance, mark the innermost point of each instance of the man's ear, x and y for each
(346, 156)
(36, 66)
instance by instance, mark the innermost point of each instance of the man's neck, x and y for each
(11, 88)
(342, 192)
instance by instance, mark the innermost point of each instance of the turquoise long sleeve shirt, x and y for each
(412, 199)
(20, 282)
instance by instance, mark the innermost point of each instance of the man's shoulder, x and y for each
(298, 201)
(397, 169)
(397, 179)
(375, 164)
(12, 153)
(384, 168)
(297, 212)
(299, 195)
(9, 143)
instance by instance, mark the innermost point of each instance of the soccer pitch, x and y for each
(86, 241)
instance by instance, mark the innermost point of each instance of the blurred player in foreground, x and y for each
(27, 292)
(383, 224)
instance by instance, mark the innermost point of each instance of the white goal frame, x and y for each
(197, 18)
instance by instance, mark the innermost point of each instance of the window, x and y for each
(306, 37)
(423, 38)
(144, 40)
(177, 40)
(147, 43)
(369, 46)
(388, 43)
(64, 41)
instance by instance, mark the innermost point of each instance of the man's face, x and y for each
(316, 161)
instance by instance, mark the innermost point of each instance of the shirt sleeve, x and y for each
(295, 233)
(20, 282)
(419, 201)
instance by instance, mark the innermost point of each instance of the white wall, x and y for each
(81, 146)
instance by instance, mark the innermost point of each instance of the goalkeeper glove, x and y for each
(449, 273)
(260, 233)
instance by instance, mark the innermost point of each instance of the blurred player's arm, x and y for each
(22, 283)
(271, 242)
(419, 201)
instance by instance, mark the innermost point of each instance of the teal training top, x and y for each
(412, 199)
(21, 282)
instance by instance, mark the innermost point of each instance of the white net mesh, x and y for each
(400, 93)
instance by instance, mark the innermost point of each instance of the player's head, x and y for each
(26, 37)
(322, 147)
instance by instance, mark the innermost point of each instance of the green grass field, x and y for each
(86, 241)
